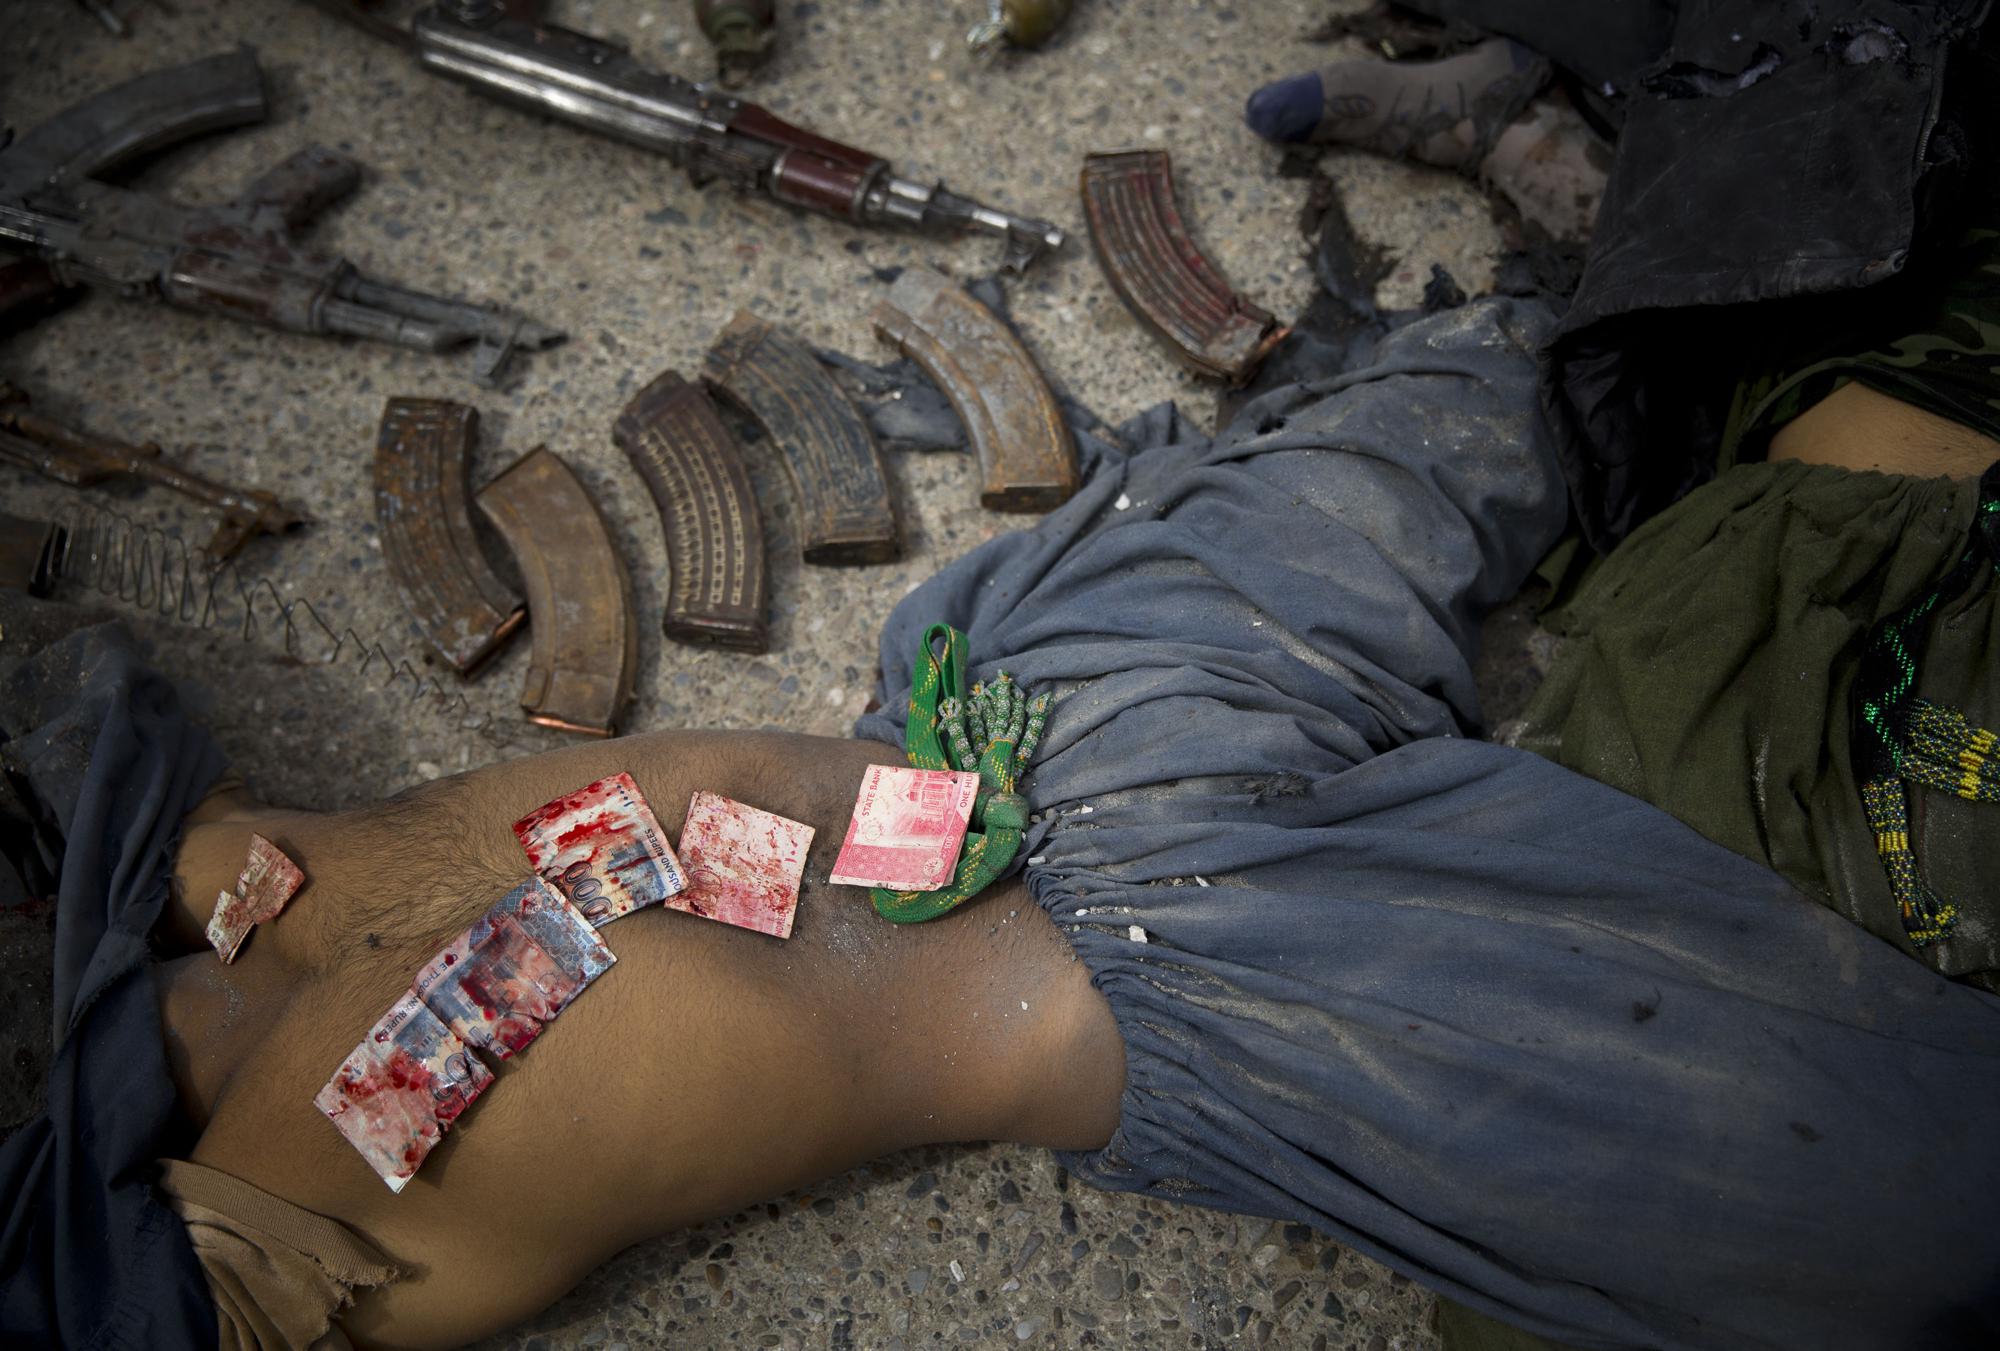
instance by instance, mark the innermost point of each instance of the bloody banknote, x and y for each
(398, 1092)
(743, 865)
(267, 881)
(907, 829)
(602, 847)
(520, 964)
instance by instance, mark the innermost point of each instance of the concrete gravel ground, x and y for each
(975, 1247)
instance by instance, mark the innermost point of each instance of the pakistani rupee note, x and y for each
(398, 1092)
(268, 880)
(520, 964)
(743, 864)
(908, 827)
(603, 849)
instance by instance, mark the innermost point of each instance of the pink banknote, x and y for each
(743, 865)
(602, 848)
(501, 981)
(907, 829)
(267, 881)
(398, 1092)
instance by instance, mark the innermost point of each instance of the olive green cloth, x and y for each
(1464, 1329)
(1709, 669)
(1932, 341)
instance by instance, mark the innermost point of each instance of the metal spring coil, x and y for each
(150, 569)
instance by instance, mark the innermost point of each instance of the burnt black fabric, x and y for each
(1599, 43)
(89, 1255)
(1770, 152)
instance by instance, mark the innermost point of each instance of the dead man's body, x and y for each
(712, 1067)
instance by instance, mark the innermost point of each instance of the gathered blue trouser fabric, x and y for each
(1516, 1034)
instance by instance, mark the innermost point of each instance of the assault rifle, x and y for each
(503, 49)
(237, 260)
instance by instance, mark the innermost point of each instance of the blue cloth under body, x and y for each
(90, 1256)
(1515, 1034)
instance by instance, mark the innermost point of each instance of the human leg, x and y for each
(1467, 1014)
(1471, 112)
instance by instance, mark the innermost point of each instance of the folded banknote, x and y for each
(602, 847)
(398, 1092)
(267, 881)
(743, 864)
(907, 829)
(501, 981)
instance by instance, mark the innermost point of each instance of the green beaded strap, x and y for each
(992, 731)
(1900, 739)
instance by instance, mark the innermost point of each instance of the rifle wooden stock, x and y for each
(844, 510)
(1026, 455)
(586, 645)
(715, 541)
(421, 505)
(1161, 274)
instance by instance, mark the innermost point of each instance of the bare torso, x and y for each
(710, 1068)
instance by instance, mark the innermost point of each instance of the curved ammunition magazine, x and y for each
(421, 456)
(586, 645)
(715, 541)
(1027, 457)
(845, 515)
(144, 114)
(1163, 277)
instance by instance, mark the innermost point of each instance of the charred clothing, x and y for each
(1769, 152)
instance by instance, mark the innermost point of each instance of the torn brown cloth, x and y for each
(1710, 667)
(280, 1274)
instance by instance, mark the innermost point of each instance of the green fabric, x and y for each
(991, 731)
(1463, 1329)
(1710, 668)
(1933, 341)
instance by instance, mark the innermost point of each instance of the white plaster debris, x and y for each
(1085, 809)
(1024, 1006)
(1123, 503)
(1200, 881)
(1137, 934)
(1037, 859)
